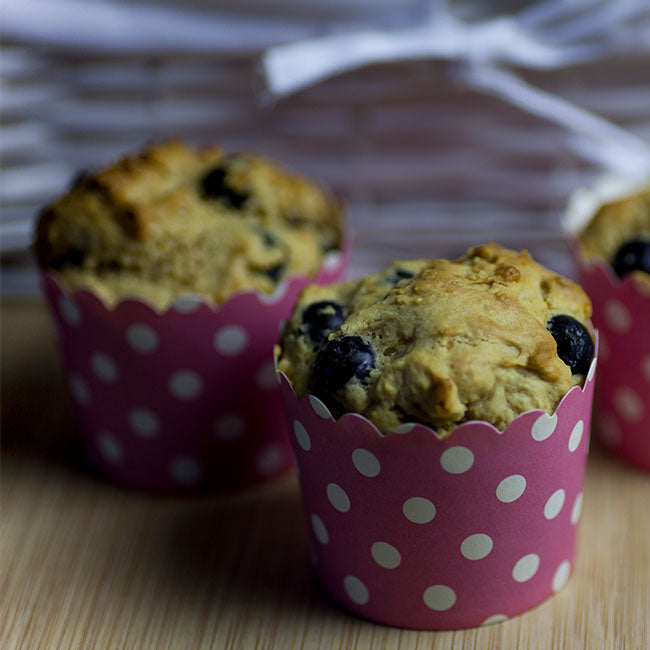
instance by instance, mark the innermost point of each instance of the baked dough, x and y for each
(174, 220)
(460, 340)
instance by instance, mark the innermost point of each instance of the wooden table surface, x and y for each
(89, 565)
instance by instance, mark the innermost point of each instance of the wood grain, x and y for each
(88, 565)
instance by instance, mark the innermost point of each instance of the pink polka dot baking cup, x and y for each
(186, 399)
(622, 316)
(413, 531)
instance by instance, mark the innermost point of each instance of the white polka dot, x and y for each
(332, 261)
(142, 338)
(576, 435)
(104, 367)
(554, 504)
(419, 510)
(407, 427)
(496, 618)
(109, 447)
(230, 340)
(144, 423)
(561, 576)
(185, 470)
(319, 529)
(319, 408)
(338, 497)
(526, 567)
(476, 547)
(544, 427)
(187, 304)
(439, 598)
(457, 460)
(79, 389)
(366, 463)
(270, 460)
(385, 555)
(645, 368)
(301, 435)
(356, 590)
(628, 404)
(69, 311)
(592, 370)
(185, 385)
(511, 488)
(265, 377)
(617, 316)
(576, 511)
(229, 427)
(609, 430)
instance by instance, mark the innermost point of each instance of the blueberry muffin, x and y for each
(487, 337)
(174, 220)
(619, 233)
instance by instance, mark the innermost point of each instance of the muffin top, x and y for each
(174, 220)
(488, 337)
(619, 233)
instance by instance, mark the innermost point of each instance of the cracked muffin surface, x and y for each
(488, 337)
(174, 219)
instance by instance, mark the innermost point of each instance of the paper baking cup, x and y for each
(622, 316)
(181, 399)
(413, 531)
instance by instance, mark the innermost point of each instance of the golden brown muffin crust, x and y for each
(175, 220)
(616, 223)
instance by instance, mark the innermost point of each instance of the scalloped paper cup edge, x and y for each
(500, 508)
(333, 266)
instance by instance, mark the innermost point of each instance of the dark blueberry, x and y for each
(400, 274)
(574, 344)
(69, 258)
(632, 256)
(329, 244)
(321, 318)
(339, 361)
(213, 186)
(275, 272)
(268, 238)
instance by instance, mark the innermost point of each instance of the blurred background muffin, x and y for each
(173, 220)
(619, 234)
(609, 224)
(167, 275)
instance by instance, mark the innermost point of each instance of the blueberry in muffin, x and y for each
(632, 256)
(574, 344)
